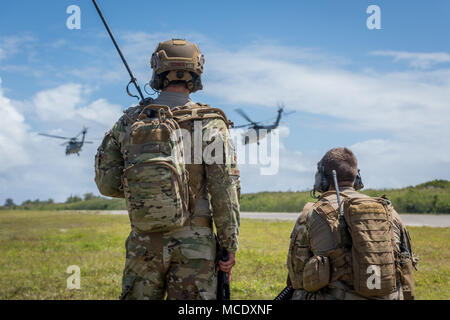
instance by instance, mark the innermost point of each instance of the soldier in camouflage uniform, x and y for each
(312, 237)
(179, 264)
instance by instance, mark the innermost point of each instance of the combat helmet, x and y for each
(177, 60)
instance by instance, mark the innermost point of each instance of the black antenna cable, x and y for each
(133, 79)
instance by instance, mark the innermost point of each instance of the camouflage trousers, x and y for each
(176, 265)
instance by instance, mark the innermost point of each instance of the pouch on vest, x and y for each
(373, 259)
(299, 253)
(155, 178)
(316, 274)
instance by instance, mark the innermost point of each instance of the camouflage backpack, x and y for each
(155, 178)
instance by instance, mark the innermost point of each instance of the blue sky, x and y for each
(383, 93)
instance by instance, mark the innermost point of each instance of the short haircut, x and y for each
(178, 83)
(343, 161)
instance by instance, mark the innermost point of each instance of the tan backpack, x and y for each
(373, 246)
(366, 261)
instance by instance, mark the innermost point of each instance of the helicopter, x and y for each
(73, 145)
(261, 130)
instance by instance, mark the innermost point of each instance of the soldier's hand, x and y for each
(229, 275)
(226, 266)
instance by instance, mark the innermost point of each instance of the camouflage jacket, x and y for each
(216, 185)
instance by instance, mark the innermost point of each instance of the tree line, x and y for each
(430, 197)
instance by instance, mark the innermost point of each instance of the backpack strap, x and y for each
(199, 112)
(132, 113)
(340, 259)
(328, 213)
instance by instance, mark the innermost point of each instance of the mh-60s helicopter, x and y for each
(257, 131)
(73, 145)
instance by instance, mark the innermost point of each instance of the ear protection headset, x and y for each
(358, 184)
(321, 183)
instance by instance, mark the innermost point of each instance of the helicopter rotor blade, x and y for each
(242, 113)
(288, 113)
(88, 142)
(242, 126)
(52, 136)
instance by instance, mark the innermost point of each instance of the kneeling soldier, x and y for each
(348, 245)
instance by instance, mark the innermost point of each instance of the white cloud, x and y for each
(393, 102)
(294, 169)
(36, 167)
(67, 102)
(416, 59)
(100, 111)
(377, 102)
(409, 111)
(13, 135)
(402, 162)
(58, 103)
(12, 45)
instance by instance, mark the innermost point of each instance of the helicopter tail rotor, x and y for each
(83, 132)
(281, 107)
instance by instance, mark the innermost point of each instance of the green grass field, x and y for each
(36, 247)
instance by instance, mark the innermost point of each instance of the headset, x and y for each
(358, 184)
(321, 183)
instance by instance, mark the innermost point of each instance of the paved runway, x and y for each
(442, 220)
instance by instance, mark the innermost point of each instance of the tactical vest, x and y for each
(368, 265)
(155, 179)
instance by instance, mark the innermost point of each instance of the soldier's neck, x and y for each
(172, 98)
(342, 187)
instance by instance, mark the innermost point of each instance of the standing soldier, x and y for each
(358, 250)
(173, 203)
